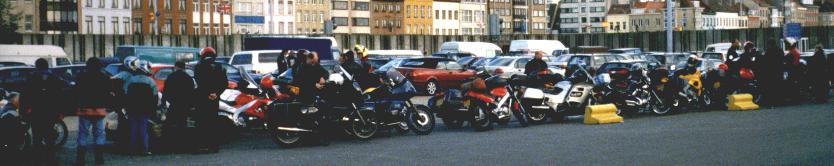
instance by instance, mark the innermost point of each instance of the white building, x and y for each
(351, 16)
(446, 20)
(473, 15)
(249, 16)
(583, 16)
(279, 17)
(104, 17)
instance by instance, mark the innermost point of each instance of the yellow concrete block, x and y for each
(602, 114)
(741, 102)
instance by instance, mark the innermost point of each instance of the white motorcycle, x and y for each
(567, 97)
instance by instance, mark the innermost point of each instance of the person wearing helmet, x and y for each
(794, 69)
(179, 87)
(141, 94)
(211, 81)
(42, 89)
(94, 90)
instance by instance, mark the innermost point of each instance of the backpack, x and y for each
(141, 99)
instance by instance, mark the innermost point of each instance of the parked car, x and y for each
(11, 64)
(528, 47)
(14, 78)
(68, 73)
(223, 59)
(431, 74)
(720, 48)
(629, 51)
(478, 49)
(263, 61)
(377, 62)
(668, 60)
(592, 61)
(602, 75)
(509, 66)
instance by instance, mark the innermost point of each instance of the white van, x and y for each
(721, 48)
(528, 47)
(28, 54)
(478, 49)
(263, 61)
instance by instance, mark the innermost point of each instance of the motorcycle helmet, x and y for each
(693, 61)
(208, 53)
(128, 63)
(638, 69)
(142, 66)
(266, 82)
(361, 51)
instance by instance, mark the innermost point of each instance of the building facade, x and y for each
(280, 17)
(55, 16)
(537, 14)
(387, 17)
(28, 13)
(159, 16)
(446, 18)
(503, 9)
(418, 17)
(473, 19)
(581, 16)
(351, 16)
(310, 16)
(249, 16)
(618, 18)
(104, 17)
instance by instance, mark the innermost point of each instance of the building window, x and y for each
(126, 4)
(88, 24)
(101, 3)
(101, 24)
(340, 5)
(115, 24)
(196, 28)
(363, 6)
(182, 27)
(137, 25)
(321, 17)
(27, 25)
(166, 28)
(340, 21)
(126, 24)
(115, 4)
(181, 5)
(88, 3)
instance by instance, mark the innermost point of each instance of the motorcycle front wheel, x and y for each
(481, 121)
(365, 130)
(661, 106)
(420, 120)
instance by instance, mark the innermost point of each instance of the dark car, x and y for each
(592, 61)
(14, 78)
(69, 72)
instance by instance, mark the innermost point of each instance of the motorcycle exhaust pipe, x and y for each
(294, 129)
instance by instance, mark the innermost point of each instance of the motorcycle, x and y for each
(479, 108)
(568, 97)
(691, 90)
(245, 106)
(633, 93)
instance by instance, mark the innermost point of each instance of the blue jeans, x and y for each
(84, 125)
(138, 133)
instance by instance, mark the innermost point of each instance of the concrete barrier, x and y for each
(741, 102)
(602, 114)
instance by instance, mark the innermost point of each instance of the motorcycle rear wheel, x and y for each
(420, 120)
(285, 138)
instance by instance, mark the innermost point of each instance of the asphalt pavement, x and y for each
(794, 135)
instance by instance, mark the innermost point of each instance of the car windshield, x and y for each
(376, 63)
(561, 59)
(711, 56)
(268, 57)
(391, 64)
(465, 60)
(501, 62)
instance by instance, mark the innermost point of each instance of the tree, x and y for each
(8, 23)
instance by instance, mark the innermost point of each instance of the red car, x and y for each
(432, 73)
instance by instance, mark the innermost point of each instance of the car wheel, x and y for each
(432, 87)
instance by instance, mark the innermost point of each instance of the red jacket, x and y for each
(794, 55)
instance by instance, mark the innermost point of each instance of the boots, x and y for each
(80, 155)
(99, 152)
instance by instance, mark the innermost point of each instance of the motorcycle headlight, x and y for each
(309, 110)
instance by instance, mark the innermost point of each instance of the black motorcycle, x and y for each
(633, 93)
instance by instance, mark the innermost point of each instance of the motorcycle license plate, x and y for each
(576, 94)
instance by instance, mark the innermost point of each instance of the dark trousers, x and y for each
(139, 133)
(43, 138)
(175, 129)
(205, 116)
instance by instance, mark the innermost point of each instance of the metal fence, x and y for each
(82, 46)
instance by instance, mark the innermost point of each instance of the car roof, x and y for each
(16, 67)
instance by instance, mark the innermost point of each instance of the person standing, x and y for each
(178, 90)
(794, 69)
(769, 73)
(94, 90)
(817, 71)
(282, 61)
(732, 54)
(142, 101)
(41, 91)
(211, 81)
